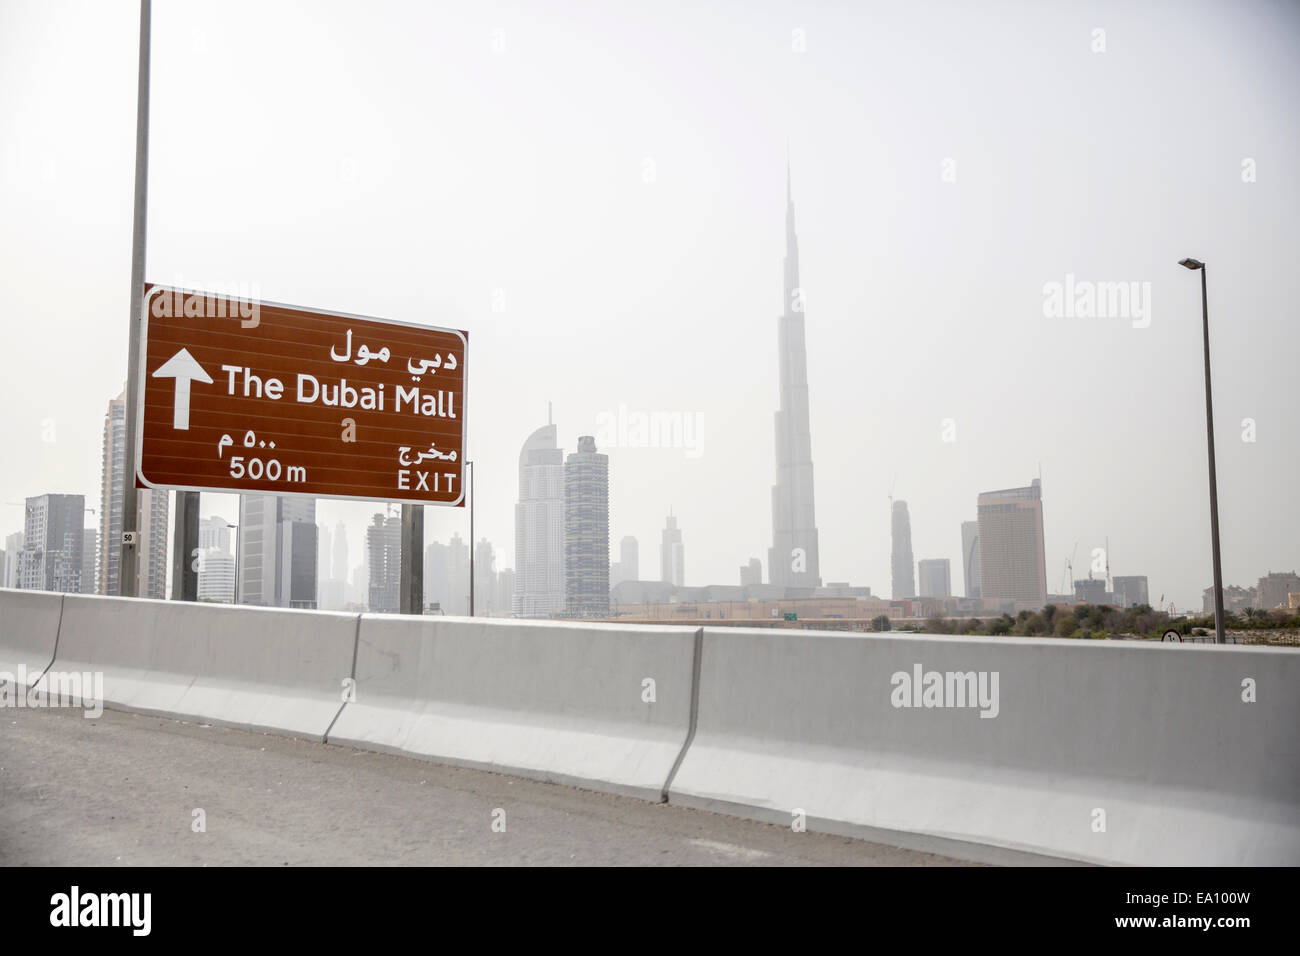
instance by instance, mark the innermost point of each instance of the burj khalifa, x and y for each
(792, 560)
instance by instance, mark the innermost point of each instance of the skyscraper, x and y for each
(277, 551)
(13, 554)
(1012, 565)
(903, 583)
(340, 559)
(627, 567)
(1131, 589)
(214, 532)
(935, 576)
(216, 563)
(324, 554)
(216, 576)
(485, 576)
(970, 557)
(586, 531)
(672, 555)
(539, 527)
(446, 575)
(154, 507)
(89, 561)
(793, 557)
(384, 548)
(52, 541)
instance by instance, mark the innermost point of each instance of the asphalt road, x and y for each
(122, 790)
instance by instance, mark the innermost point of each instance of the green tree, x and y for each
(880, 623)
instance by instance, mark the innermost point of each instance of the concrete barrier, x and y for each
(1106, 752)
(260, 669)
(29, 629)
(553, 701)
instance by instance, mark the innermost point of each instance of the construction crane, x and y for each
(1109, 588)
(1068, 587)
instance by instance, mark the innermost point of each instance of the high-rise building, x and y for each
(1090, 590)
(935, 576)
(751, 574)
(485, 577)
(214, 532)
(586, 531)
(89, 561)
(627, 567)
(340, 560)
(332, 567)
(1131, 590)
(970, 557)
(1012, 565)
(505, 589)
(324, 554)
(539, 527)
(216, 562)
(384, 548)
(277, 551)
(793, 558)
(53, 532)
(672, 555)
(216, 575)
(903, 584)
(446, 576)
(153, 512)
(13, 554)
(1272, 590)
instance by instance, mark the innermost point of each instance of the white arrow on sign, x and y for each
(184, 369)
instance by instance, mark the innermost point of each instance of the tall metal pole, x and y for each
(470, 466)
(127, 583)
(411, 588)
(1219, 637)
(185, 544)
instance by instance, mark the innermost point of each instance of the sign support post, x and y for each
(412, 587)
(127, 574)
(185, 546)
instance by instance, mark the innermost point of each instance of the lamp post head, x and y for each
(1192, 264)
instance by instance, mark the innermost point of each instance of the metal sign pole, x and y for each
(185, 546)
(412, 586)
(127, 581)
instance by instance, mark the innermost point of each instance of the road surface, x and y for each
(122, 790)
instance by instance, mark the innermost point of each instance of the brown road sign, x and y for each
(244, 396)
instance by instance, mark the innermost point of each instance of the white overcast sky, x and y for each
(384, 159)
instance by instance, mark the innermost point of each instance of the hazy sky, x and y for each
(611, 178)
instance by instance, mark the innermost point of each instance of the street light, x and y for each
(1196, 265)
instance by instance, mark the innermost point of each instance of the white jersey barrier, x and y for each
(1108, 752)
(268, 670)
(597, 705)
(29, 629)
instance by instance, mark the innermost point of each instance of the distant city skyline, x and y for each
(925, 248)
